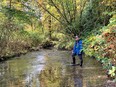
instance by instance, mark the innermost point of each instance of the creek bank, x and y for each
(17, 54)
(44, 45)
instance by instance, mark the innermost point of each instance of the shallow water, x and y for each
(50, 68)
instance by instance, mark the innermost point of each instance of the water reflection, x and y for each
(22, 71)
(78, 78)
(59, 73)
(49, 68)
(72, 77)
(7, 76)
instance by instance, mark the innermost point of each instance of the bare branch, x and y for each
(50, 13)
(58, 10)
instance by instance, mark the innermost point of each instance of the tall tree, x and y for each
(67, 12)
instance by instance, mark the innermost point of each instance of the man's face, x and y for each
(76, 38)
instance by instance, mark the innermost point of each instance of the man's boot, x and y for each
(74, 61)
(81, 63)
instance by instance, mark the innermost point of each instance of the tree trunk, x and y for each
(10, 4)
(49, 27)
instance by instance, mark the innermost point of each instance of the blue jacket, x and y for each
(77, 49)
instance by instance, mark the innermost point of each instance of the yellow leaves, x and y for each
(91, 38)
(40, 1)
(47, 6)
(18, 6)
(5, 2)
(112, 71)
(96, 48)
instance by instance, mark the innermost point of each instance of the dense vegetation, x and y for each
(28, 24)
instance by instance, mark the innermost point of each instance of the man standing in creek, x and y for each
(77, 50)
